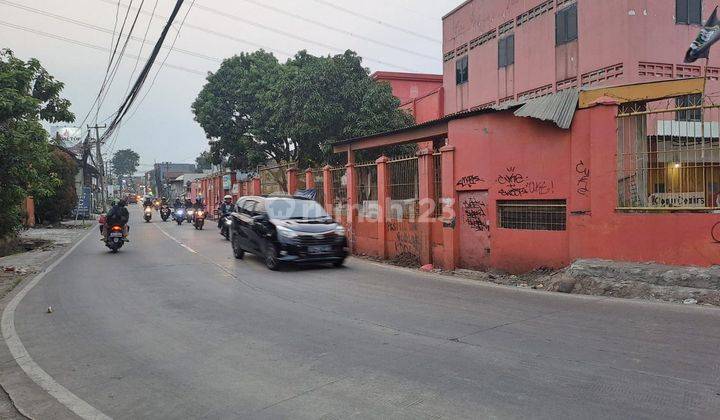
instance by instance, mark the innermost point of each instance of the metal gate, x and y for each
(474, 230)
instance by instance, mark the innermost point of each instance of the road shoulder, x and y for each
(22, 396)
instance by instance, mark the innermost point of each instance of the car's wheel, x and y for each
(271, 260)
(338, 263)
(238, 252)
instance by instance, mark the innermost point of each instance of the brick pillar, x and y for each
(351, 203)
(291, 175)
(449, 217)
(426, 207)
(309, 180)
(29, 207)
(383, 200)
(327, 190)
(255, 188)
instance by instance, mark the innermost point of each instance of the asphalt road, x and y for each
(164, 330)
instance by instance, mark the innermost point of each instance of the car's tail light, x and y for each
(116, 228)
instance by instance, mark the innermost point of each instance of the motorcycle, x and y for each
(115, 238)
(165, 213)
(180, 216)
(148, 214)
(189, 214)
(156, 204)
(225, 224)
(199, 219)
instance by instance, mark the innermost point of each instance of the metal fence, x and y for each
(366, 184)
(273, 178)
(668, 155)
(301, 181)
(338, 188)
(404, 187)
(437, 184)
(319, 186)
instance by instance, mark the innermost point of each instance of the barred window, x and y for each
(461, 71)
(668, 156)
(532, 214)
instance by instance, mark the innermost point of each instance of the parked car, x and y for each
(287, 230)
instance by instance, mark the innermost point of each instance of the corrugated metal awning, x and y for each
(559, 108)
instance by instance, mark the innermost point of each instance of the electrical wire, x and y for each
(293, 36)
(332, 28)
(105, 30)
(376, 21)
(92, 46)
(142, 77)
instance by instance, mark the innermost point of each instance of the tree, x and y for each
(28, 94)
(255, 110)
(204, 161)
(125, 162)
(60, 203)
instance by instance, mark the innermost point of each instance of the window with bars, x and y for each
(688, 12)
(506, 51)
(689, 101)
(461, 70)
(566, 25)
(668, 158)
(338, 176)
(532, 214)
(437, 184)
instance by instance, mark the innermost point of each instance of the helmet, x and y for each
(227, 197)
(122, 203)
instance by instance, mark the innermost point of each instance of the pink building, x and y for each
(495, 51)
(421, 95)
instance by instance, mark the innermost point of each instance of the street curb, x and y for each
(29, 398)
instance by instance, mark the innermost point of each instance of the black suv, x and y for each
(287, 230)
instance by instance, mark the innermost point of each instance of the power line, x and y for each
(92, 46)
(105, 30)
(288, 34)
(125, 106)
(336, 29)
(268, 28)
(376, 21)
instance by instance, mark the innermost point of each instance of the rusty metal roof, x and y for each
(558, 107)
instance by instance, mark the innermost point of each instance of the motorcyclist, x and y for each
(199, 204)
(177, 204)
(148, 202)
(117, 215)
(225, 208)
(188, 203)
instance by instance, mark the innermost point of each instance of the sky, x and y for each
(391, 35)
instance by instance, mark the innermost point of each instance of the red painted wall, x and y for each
(631, 36)
(494, 146)
(419, 94)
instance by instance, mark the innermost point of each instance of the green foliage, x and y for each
(204, 161)
(255, 109)
(60, 203)
(28, 94)
(125, 162)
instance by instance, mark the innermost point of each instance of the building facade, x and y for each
(498, 51)
(421, 95)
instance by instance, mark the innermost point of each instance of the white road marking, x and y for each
(28, 365)
(175, 240)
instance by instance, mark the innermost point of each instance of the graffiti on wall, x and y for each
(475, 214)
(583, 178)
(715, 233)
(407, 243)
(469, 181)
(515, 184)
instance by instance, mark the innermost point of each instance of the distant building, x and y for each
(163, 173)
(419, 94)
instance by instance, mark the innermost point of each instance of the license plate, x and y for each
(116, 235)
(319, 249)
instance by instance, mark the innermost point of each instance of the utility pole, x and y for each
(101, 168)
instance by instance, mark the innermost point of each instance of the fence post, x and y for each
(309, 179)
(327, 190)
(449, 217)
(351, 203)
(256, 187)
(426, 205)
(291, 175)
(382, 186)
